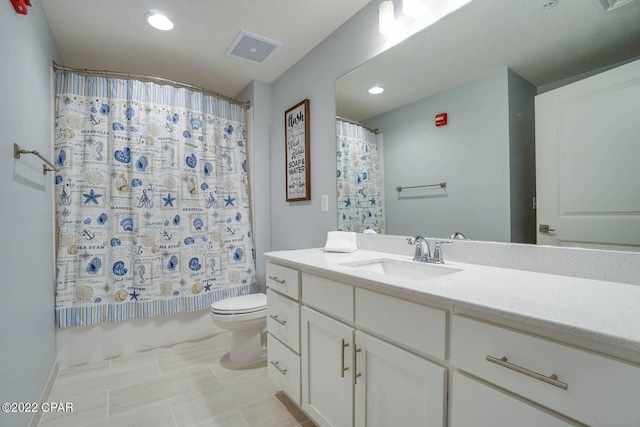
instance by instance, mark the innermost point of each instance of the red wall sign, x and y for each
(21, 6)
(441, 119)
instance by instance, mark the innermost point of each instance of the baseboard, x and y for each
(35, 420)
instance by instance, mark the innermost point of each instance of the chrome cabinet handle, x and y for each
(282, 322)
(342, 367)
(275, 279)
(277, 365)
(553, 379)
(355, 365)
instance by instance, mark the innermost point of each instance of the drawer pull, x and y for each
(275, 279)
(282, 322)
(553, 379)
(277, 365)
(342, 368)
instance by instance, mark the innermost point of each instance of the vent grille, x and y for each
(609, 5)
(250, 47)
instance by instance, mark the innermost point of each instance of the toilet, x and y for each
(246, 317)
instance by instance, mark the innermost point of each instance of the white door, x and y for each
(476, 404)
(588, 161)
(396, 388)
(327, 387)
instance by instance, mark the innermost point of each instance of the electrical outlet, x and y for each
(324, 202)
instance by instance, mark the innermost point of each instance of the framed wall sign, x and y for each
(297, 155)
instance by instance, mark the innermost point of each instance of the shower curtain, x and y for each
(359, 179)
(151, 201)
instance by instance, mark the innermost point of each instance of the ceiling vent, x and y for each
(252, 48)
(609, 5)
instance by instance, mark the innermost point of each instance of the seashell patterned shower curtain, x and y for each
(359, 179)
(151, 201)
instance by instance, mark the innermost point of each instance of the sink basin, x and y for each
(406, 269)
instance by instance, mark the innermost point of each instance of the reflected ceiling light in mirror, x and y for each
(376, 90)
(159, 21)
(387, 20)
(411, 7)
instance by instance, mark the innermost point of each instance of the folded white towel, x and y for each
(341, 241)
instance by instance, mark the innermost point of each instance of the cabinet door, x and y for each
(327, 389)
(476, 404)
(396, 388)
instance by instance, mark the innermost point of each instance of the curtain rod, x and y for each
(244, 104)
(344, 119)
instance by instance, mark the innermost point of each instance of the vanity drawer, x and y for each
(329, 296)
(601, 391)
(284, 280)
(477, 404)
(283, 319)
(417, 326)
(284, 368)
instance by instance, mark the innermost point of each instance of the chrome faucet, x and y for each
(423, 251)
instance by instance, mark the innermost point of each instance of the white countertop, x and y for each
(604, 311)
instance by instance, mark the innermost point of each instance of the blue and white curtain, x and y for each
(151, 202)
(359, 179)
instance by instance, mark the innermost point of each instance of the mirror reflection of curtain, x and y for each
(359, 179)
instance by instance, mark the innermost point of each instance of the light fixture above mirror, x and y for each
(387, 20)
(386, 14)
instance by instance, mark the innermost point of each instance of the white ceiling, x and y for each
(113, 35)
(543, 46)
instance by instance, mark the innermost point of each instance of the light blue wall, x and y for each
(259, 94)
(471, 154)
(301, 224)
(27, 333)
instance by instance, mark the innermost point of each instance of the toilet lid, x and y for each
(241, 304)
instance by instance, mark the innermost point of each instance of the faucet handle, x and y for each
(437, 251)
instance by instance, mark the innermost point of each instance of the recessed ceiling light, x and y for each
(376, 90)
(159, 21)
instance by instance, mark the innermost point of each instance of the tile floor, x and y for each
(188, 384)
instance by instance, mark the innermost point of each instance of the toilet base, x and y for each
(246, 346)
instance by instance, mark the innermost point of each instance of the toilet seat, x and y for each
(244, 304)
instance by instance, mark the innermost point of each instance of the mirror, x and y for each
(482, 65)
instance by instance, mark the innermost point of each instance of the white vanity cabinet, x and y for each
(394, 387)
(367, 359)
(477, 404)
(283, 326)
(327, 366)
(588, 387)
(349, 377)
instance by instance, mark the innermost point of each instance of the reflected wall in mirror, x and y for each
(483, 65)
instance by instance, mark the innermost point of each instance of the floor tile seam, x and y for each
(109, 372)
(124, 383)
(186, 367)
(173, 414)
(117, 388)
(248, 372)
(71, 398)
(173, 395)
(246, 405)
(141, 355)
(214, 373)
